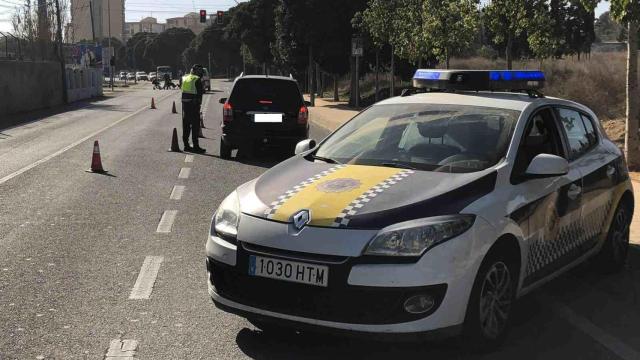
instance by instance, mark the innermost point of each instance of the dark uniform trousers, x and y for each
(190, 121)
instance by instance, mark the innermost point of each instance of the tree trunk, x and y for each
(352, 81)
(632, 140)
(377, 73)
(319, 81)
(446, 56)
(392, 80)
(508, 51)
(336, 96)
(312, 87)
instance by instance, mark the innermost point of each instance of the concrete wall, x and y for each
(26, 86)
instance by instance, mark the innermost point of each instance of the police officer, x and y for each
(192, 90)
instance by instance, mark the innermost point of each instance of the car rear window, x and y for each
(260, 94)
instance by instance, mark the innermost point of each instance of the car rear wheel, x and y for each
(225, 150)
(491, 301)
(613, 255)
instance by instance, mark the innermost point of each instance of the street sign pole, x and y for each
(357, 51)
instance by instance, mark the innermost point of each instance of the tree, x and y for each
(628, 12)
(225, 51)
(506, 19)
(135, 51)
(167, 47)
(543, 39)
(377, 21)
(449, 26)
(607, 29)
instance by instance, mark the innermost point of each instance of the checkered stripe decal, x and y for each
(570, 236)
(344, 217)
(289, 193)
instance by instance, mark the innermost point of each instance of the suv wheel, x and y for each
(225, 150)
(613, 255)
(491, 301)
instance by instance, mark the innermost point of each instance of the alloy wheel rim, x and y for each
(495, 300)
(620, 235)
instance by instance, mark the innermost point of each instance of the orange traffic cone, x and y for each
(153, 103)
(96, 162)
(174, 142)
(173, 109)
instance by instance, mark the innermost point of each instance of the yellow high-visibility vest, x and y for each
(189, 84)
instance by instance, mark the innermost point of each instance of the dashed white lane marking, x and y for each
(614, 345)
(184, 173)
(176, 193)
(146, 278)
(188, 158)
(122, 349)
(72, 145)
(166, 221)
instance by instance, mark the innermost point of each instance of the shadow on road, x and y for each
(611, 302)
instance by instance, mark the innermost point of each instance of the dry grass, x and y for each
(598, 82)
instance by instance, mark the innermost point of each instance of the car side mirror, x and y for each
(222, 100)
(547, 165)
(305, 145)
(307, 103)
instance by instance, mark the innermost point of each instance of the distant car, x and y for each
(152, 76)
(430, 212)
(263, 111)
(131, 76)
(122, 75)
(206, 80)
(162, 70)
(141, 75)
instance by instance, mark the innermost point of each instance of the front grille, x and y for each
(338, 302)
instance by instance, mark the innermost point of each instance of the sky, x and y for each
(162, 9)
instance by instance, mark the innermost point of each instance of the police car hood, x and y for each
(359, 196)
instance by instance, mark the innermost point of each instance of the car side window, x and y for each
(540, 137)
(574, 128)
(591, 132)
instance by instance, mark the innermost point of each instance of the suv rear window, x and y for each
(258, 94)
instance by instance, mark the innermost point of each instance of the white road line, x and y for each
(71, 146)
(176, 193)
(188, 158)
(146, 278)
(122, 349)
(184, 173)
(605, 339)
(166, 221)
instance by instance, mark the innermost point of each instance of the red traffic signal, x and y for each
(219, 15)
(203, 16)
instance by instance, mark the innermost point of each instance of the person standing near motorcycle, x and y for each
(192, 90)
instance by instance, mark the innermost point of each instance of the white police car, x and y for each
(430, 211)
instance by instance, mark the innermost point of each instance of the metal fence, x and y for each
(21, 49)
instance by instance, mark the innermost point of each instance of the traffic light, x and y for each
(203, 16)
(219, 16)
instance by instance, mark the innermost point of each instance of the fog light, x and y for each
(419, 304)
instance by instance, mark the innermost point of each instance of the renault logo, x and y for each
(301, 218)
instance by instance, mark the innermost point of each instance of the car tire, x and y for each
(613, 255)
(225, 150)
(491, 301)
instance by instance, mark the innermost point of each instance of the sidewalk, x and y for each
(330, 114)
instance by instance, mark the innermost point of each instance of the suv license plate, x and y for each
(267, 118)
(304, 273)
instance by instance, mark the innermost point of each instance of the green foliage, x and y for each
(168, 46)
(376, 20)
(606, 28)
(624, 10)
(408, 40)
(449, 26)
(542, 40)
(506, 18)
(135, 51)
(225, 51)
(252, 23)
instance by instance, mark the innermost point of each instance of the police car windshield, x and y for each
(430, 137)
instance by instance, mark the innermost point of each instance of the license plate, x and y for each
(267, 118)
(304, 273)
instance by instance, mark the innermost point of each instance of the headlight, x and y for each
(413, 238)
(226, 219)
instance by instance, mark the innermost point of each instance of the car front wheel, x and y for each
(491, 301)
(613, 255)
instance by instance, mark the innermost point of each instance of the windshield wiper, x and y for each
(398, 165)
(325, 159)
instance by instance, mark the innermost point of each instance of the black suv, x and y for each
(263, 110)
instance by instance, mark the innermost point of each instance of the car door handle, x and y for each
(611, 170)
(574, 191)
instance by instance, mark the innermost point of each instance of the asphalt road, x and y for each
(72, 246)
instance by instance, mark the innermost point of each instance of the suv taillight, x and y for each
(303, 115)
(227, 113)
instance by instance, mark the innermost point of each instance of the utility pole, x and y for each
(63, 73)
(93, 29)
(110, 68)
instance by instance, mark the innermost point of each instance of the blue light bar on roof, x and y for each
(478, 80)
(516, 75)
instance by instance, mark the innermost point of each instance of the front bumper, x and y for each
(362, 296)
